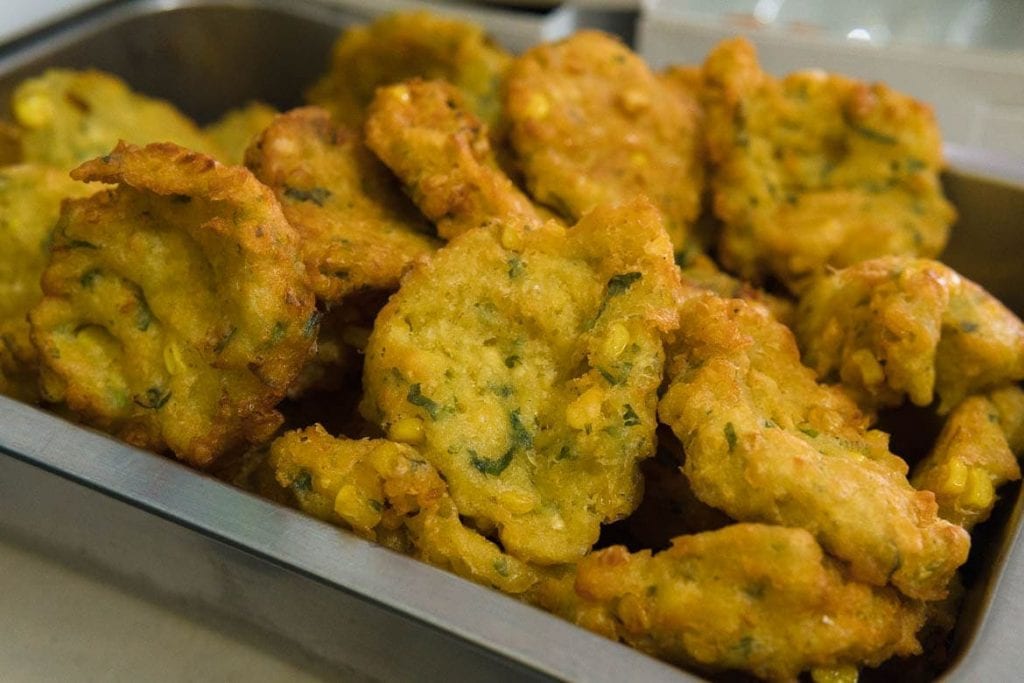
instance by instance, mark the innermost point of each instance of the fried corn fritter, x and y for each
(817, 170)
(408, 45)
(764, 442)
(386, 492)
(758, 598)
(972, 456)
(233, 132)
(897, 326)
(30, 197)
(70, 116)
(423, 132)
(358, 231)
(524, 364)
(591, 124)
(176, 312)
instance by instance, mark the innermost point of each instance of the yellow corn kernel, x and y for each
(615, 341)
(407, 430)
(585, 410)
(979, 493)
(638, 159)
(173, 360)
(354, 509)
(537, 107)
(836, 674)
(517, 502)
(871, 370)
(34, 111)
(634, 101)
(956, 478)
(634, 614)
(511, 238)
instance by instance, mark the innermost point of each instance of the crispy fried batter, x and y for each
(408, 45)
(591, 124)
(758, 598)
(765, 442)
(386, 492)
(897, 326)
(701, 272)
(817, 170)
(176, 312)
(424, 133)
(30, 197)
(524, 363)
(71, 116)
(235, 130)
(358, 231)
(972, 457)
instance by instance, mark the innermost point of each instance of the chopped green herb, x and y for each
(521, 437)
(277, 334)
(629, 417)
(490, 466)
(501, 566)
(618, 284)
(375, 504)
(180, 198)
(317, 195)
(79, 244)
(809, 431)
(303, 482)
(871, 133)
(155, 398)
(564, 453)
(309, 329)
(609, 377)
(225, 340)
(88, 278)
(730, 436)
(511, 361)
(143, 316)
(515, 267)
(968, 327)
(416, 397)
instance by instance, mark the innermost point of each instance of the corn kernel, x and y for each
(638, 159)
(351, 507)
(870, 369)
(956, 478)
(173, 360)
(407, 430)
(511, 238)
(837, 674)
(615, 341)
(634, 101)
(517, 502)
(979, 492)
(34, 111)
(537, 107)
(585, 410)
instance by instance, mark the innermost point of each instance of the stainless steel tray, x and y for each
(348, 605)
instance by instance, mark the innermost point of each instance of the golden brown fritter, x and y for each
(591, 124)
(235, 130)
(386, 492)
(897, 326)
(70, 116)
(817, 170)
(765, 442)
(30, 197)
(357, 230)
(423, 132)
(762, 599)
(524, 365)
(972, 457)
(702, 273)
(176, 312)
(407, 45)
